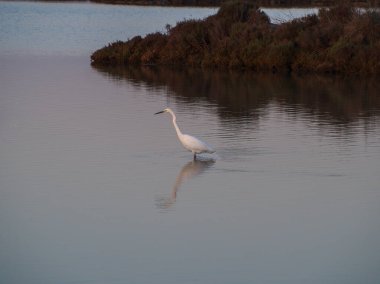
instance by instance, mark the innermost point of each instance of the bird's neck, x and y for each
(179, 133)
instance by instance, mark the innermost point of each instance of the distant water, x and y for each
(80, 28)
(280, 15)
(96, 189)
(53, 28)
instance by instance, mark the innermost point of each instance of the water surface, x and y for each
(96, 189)
(54, 28)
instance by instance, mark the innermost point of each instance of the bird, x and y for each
(191, 143)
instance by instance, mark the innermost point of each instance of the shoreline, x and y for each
(338, 40)
(218, 3)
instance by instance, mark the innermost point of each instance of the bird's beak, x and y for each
(159, 112)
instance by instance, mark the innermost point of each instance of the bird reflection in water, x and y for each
(190, 170)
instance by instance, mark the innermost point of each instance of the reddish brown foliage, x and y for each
(341, 39)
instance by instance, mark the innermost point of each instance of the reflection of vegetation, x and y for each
(337, 40)
(243, 93)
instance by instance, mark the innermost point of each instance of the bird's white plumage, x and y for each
(191, 143)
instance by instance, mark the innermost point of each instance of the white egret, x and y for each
(191, 143)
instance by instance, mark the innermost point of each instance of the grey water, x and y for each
(96, 189)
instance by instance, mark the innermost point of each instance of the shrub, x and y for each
(340, 39)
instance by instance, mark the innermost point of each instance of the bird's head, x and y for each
(162, 111)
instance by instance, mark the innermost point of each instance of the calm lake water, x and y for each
(96, 189)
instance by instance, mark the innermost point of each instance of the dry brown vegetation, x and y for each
(340, 39)
(262, 3)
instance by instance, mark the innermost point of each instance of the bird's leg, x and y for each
(195, 156)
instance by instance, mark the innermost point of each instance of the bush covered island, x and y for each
(341, 39)
(263, 3)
